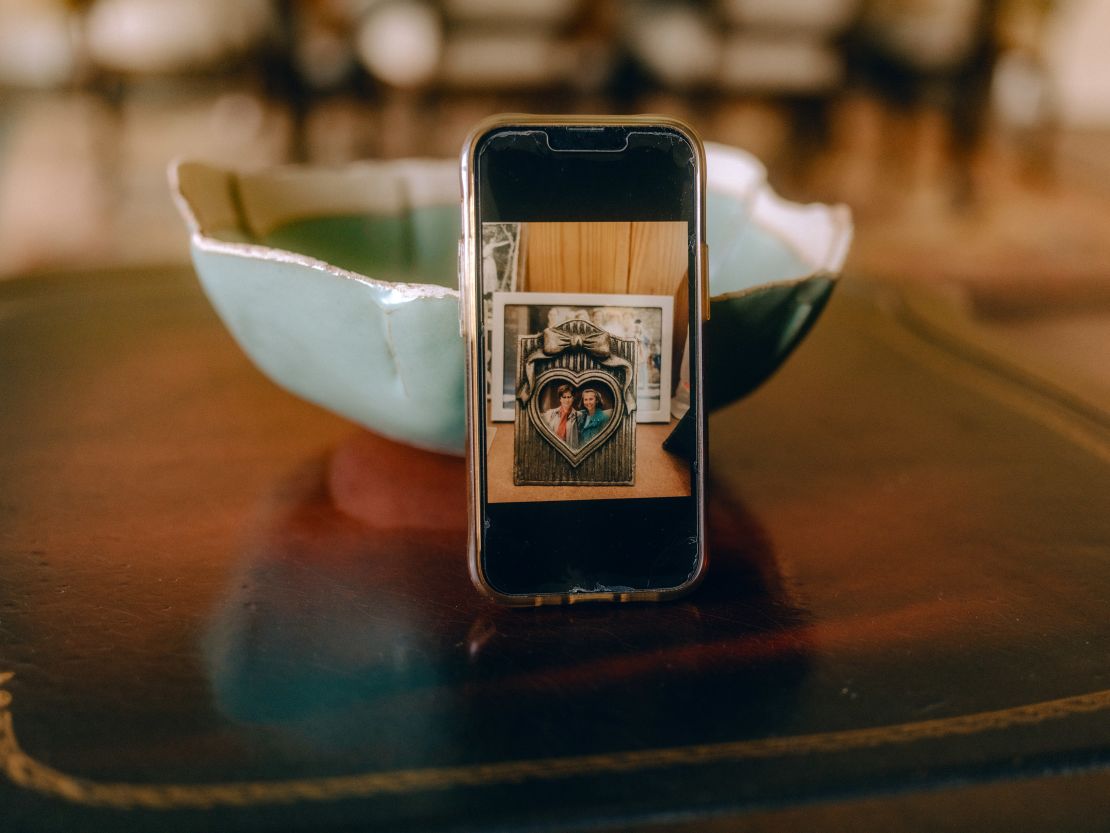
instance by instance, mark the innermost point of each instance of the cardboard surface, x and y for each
(658, 474)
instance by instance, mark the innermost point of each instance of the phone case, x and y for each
(470, 283)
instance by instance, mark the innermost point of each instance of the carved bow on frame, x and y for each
(595, 342)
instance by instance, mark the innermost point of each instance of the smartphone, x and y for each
(583, 291)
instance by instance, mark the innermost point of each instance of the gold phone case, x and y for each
(470, 286)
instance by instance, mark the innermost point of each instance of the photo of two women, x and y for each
(574, 417)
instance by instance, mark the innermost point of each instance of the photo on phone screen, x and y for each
(582, 365)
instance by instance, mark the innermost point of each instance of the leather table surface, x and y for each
(223, 608)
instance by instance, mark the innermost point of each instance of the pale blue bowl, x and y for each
(340, 284)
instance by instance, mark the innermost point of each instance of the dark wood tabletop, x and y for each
(222, 608)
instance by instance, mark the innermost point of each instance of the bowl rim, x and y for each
(828, 266)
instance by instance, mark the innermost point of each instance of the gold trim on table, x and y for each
(26, 772)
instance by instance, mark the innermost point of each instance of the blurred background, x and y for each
(970, 137)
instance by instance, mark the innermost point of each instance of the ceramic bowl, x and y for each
(340, 283)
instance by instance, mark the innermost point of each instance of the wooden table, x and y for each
(223, 608)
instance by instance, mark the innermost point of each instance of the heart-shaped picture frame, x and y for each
(583, 431)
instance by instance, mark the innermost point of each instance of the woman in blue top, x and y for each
(593, 418)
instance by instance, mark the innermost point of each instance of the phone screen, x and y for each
(586, 332)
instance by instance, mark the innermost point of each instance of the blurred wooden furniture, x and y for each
(226, 609)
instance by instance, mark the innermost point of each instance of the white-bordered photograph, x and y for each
(645, 319)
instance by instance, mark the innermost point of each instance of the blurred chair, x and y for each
(790, 52)
(432, 59)
(130, 44)
(936, 55)
(37, 48)
(786, 53)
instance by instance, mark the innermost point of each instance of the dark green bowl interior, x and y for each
(417, 247)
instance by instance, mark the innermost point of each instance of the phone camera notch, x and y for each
(587, 139)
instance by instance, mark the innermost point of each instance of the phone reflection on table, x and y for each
(351, 631)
